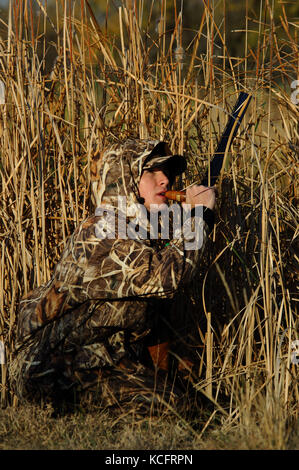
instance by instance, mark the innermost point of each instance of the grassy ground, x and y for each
(30, 428)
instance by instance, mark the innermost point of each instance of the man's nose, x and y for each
(163, 179)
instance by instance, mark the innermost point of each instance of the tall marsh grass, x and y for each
(138, 77)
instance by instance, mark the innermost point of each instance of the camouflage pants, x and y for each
(39, 373)
(134, 388)
(46, 367)
(126, 386)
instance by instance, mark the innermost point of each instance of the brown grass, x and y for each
(33, 428)
(141, 83)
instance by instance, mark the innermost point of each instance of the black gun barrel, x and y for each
(227, 137)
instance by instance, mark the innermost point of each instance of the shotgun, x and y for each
(227, 137)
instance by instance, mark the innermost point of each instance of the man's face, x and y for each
(152, 186)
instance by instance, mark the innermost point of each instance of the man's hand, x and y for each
(201, 195)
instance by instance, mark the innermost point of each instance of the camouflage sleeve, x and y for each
(132, 268)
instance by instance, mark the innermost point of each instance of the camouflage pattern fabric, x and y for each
(80, 333)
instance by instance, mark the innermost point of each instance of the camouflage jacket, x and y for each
(97, 302)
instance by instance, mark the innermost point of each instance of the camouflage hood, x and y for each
(117, 171)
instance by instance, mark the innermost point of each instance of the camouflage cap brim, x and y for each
(176, 163)
(160, 156)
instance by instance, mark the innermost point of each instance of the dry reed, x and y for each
(145, 81)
